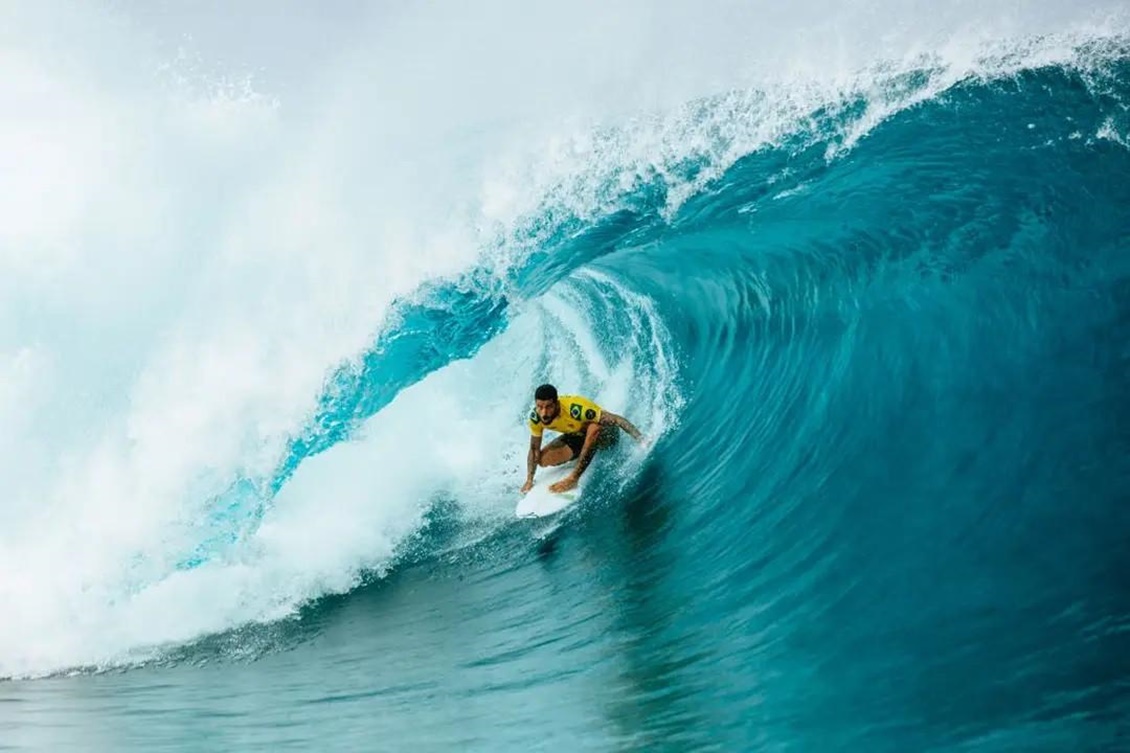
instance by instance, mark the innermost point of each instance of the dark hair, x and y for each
(545, 392)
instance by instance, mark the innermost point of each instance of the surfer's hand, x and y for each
(527, 486)
(563, 485)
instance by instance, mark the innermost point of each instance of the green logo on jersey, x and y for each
(534, 416)
(575, 411)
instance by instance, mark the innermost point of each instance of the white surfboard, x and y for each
(540, 501)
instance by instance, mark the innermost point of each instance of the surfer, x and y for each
(584, 426)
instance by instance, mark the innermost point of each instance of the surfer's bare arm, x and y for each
(532, 462)
(592, 431)
(611, 419)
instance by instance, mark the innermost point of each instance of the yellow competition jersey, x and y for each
(576, 412)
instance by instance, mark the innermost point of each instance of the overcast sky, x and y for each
(281, 42)
(288, 43)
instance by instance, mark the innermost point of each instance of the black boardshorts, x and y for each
(575, 441)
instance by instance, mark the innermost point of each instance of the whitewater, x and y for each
(277, 284)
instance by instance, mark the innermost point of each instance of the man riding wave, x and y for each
(584, 427)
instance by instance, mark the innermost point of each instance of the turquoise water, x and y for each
(882, 355)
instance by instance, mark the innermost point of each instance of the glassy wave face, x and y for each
(880, 343)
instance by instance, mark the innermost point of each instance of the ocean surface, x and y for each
(263, 400)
